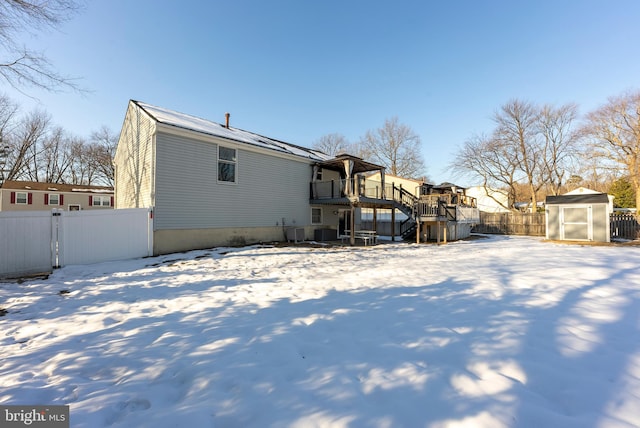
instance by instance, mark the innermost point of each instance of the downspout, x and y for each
(314, 176)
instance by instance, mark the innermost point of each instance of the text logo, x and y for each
(34, 416)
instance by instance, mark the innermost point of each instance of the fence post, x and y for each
(56, 238)
(150, 232)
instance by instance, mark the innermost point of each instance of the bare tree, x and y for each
(396, 147)
(491, 161)
(82, 169)
(332, 144)
(103, 148)
(20, 66)
(55, 159)
(560, 144)
(517, 129)
(614, 131)
(24, 146)
(529, 149)
(8, 111)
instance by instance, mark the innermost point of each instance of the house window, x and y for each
(21, 198)
(227, 161)
(74, 207)
(54, 199)
(316, 215)
(103, 201)
(319, 174)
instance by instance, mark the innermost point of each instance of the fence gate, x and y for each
(25, 243)
(37, 241)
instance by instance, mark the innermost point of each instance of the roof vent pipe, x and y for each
(226, 116)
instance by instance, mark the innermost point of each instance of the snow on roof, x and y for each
(55, 187)
(193, 123)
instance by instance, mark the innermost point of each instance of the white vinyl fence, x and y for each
(37, 241)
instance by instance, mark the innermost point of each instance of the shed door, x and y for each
(576, 223)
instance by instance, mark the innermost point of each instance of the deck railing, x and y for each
(358, 186)
(426, 205)
(373, 189)
(429, 208)
(327, 189)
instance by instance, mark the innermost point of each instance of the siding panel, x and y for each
(134, 161)
(269, 188)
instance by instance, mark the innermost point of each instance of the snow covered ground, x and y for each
(495, 332)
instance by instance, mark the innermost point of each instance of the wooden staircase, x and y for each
(414, 207)
(406, 203)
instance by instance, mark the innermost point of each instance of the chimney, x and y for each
(226, 116)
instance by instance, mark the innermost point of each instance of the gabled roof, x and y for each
(581, 191)
(54, 187)
(203, 126)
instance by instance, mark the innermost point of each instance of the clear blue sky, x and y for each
(296, 70)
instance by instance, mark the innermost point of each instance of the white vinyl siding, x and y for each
(269, 188)
(134, 161)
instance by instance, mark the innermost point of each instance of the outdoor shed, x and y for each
(578, 217)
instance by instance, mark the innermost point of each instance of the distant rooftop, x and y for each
(54, 187)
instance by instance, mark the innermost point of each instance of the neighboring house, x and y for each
(408, 184)
(31, 195)
(579, 215)
(490, 200)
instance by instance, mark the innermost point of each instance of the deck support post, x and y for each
(446, 227)
(393, 224)
(352, 214)
(375, 219)
(438, 231)
(418, 230)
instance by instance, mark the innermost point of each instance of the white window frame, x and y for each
(18, 199)
(103, 201)
(312, 215)
(51, 195)
(74, 207)
(233, 162)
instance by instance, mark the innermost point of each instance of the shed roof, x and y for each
(203, 126)
(587, 198)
